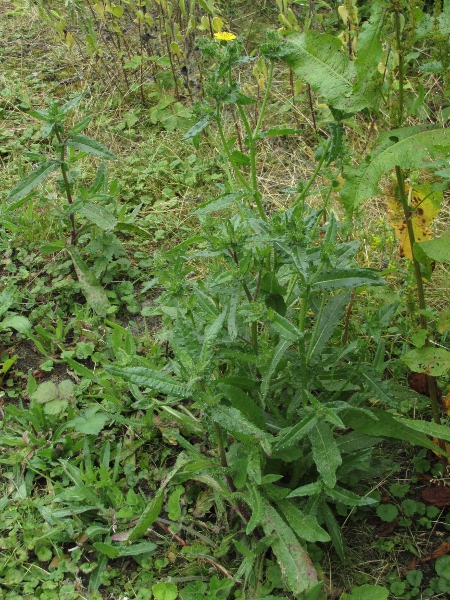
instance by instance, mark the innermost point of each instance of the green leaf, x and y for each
(89, 146)
(46, 392)
(243, 402)
(320, 60)
(107, 549)
(326, 325)
(28, 184)
(378, 387)
(367, 592)
(370, 48)
(325, 452)
(209, 340)
(233, 421)
(79, 127)
(348, 498)
(278, 354)
(137, 549)
(91, 423)
(17, 322)
(82, 488)
(99, 215)
(197, 128)
(285, 328)
(333, 529)
(442, 566)
(407, 148)
(218, 203)
(336, 279)
(93, 292)
(434, 430)
(150, 378)
(290, 436)
(310, 489)
(386, 425)
(173, 503)
(81, 370)
(305, 526)
(165, 591)
(148, 516)
(429, 360)
(55, 407)
(279, 131)
(65, 389)
(294, 562)
(256, 503)
(387, 512)
(6, 299)
(437, 249)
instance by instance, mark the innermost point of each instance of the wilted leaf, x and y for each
(425, 205)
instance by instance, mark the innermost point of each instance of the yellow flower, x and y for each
(225, 36)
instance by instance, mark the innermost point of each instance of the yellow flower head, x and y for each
(225, 36)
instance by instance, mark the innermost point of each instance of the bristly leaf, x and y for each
(408, 148)
(290, 436)
(278, 354)
(89, 146)
(326, 324)
(150, 378)
(305, 526)
(325, 452)
(24, 187)
(233, 421)
(296, 566)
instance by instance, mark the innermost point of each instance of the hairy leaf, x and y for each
(89, 146)
(24, 187)
(150, 378)
(325, 452)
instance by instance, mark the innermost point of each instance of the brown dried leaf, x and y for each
(438, 495)
(384, 529)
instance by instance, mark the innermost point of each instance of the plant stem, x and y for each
(73, 236)
(306, 189)
(227, 152)
(400, 67)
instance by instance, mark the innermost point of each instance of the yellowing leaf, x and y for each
(425, 205)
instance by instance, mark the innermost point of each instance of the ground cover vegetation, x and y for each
(224, 312)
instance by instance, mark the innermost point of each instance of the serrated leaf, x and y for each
(65, 389)
(36, 177)
(429, 360)
(408, 148)
(210, 338)
(90, 424)
(290, 436)
(233, 421)
(45, 392)
(325, 327)
(150, 378)
(89, 146)
(99, 215)
(337, 279)
(306, 527)
(54, 407)
(320, 60)
(296, 566)
(325, 452)
(386, 425)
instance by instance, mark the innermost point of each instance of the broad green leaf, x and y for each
(99, 215)
(107, 549)
(46, 392)
(326, 325)
(437, 249)
(408, 148)
(310, 489)
(290, 436)
(305, 526)
(367, 592)
(54, 407)
(370, 48)
(441, 432)
(197, 128)
(386, 425)
(28, 184)
(429, 360)
(150, 378)
(89, 146)
(337, 279)
(89, 424)
(165, 591)
(294, 562)
(243, 402)
(348, 498)
(325, 452)
(17, 322)
(6, 299)
(65, 389)
(173, 503)
(233, 421)
(94, 293)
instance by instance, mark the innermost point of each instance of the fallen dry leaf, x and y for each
(438, 495)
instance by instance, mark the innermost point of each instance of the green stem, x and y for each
(73, 236)
(306, 189)
(227, 152)
(315, 330)
(400, 67)
(265, 100)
